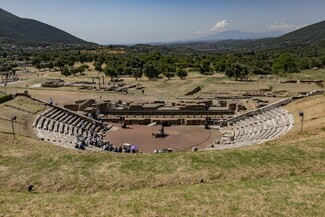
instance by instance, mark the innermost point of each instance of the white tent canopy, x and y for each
(127, 144)
(152, 124)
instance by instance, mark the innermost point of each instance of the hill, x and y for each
(27, 32)
(312, 34)
(279, 178)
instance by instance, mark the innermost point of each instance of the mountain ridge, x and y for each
(311, 36)
(28, 32)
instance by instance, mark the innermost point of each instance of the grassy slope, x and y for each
(278, 178)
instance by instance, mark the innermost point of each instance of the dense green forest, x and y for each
(158, 61)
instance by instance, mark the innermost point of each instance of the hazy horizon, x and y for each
(144, 21)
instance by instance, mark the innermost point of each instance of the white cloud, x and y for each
(282, 26)
(200, 32)
(220, 26)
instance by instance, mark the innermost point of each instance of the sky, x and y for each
(144, 21)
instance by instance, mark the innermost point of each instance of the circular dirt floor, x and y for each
(179, 138)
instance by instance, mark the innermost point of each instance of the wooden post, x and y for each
(12, 124)
(302, 115)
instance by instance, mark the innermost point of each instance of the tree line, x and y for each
(155, 62)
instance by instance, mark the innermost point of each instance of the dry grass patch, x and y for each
(295, 195)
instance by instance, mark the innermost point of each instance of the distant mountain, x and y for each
(309, 37)
(239, 35)
(27, 32)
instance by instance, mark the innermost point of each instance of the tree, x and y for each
(50, 65)
(38, 66)
(73, 71)
(82, 68)
(111, 72)
(60, 63)
(237, 71)
(285, 63)
(65, 71)
(71, 63)
(137, 73)
(151, 71)
(119, 70)
(127, 71)
(305, 63)
(181, 73)
(98, 66)
(221, 66)
(169, 75)
(204, 67)
(83, 58)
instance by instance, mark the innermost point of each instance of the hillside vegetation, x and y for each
(28, 32)
(312, 34)
(284, 177)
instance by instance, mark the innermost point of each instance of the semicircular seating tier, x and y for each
(256, 129)
(62, 127)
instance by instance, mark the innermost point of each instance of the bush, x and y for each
(5, 98)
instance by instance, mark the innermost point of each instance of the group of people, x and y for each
(97, 141)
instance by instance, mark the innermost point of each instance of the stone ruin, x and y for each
(118, 85)
(9, 76)
(80, 105)
(194, 91)
(53, 83)
(188, 112)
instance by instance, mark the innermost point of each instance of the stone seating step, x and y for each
(88, 125)
(61, 127)
(274, 133)
(56, 126)
(283, 131)
(278, 132)
(75, 131)
(66, 128)
(97, 129)
(58, 117)
(55, 114)
(40, 123)
(46, 124)
(286, 120)
(64, 117)
(73, 118)
(236, 132)
(51, 125)
(68, 118)
(50, 112)
(284, 111)
(78, 120)
(36, 121)
(71, 130)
